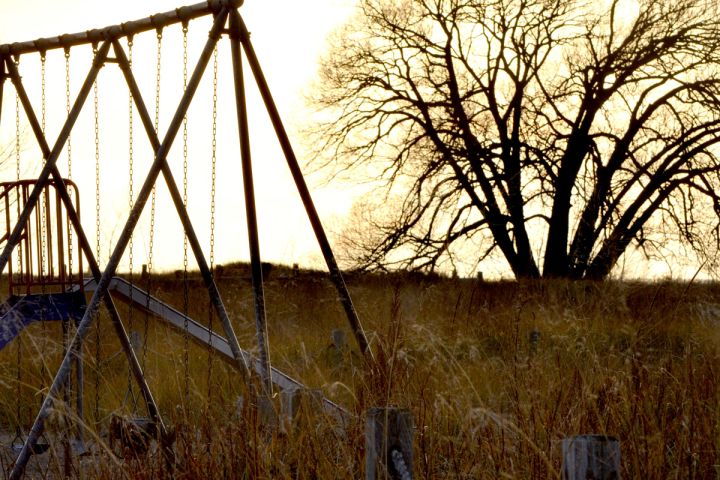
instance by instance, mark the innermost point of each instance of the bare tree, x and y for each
(555, 132)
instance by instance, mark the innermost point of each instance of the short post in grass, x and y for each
(339, 339)
(388, 444)
(298, 404)
(336, 353)
(591, 456)
(266, 411)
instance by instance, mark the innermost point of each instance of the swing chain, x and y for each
(213, 177)
(186, 299)
(131, 197)
(214, 158)
(157, 130)
(43, 211)
(18, 376)
(97, 239)
(43, 226)
(42, 90)
(131, 171)
(17, 127)
(18, 143)
(151, 243)
(67, 107)
(97, 166)
(69, 156)
(157, 80)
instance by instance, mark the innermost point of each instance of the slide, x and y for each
(19, 311)
(125, 291)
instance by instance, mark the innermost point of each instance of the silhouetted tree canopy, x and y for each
(555, 132)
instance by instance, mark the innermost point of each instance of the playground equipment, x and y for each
(66, 301)
(41, 288)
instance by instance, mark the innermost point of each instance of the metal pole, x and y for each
(32, 200)
(38, 426)
(55, 153)
(127, 29)
(88, 251)
(388, 443)
(590, 456)
(80, 392)
(3, 76)
(137, 209)
(116, 256)
(213, 292)
(294, 166)
(249, 189)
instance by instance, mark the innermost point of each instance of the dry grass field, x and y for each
(494, 373)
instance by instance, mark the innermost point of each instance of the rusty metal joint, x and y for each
(238, 30)
(41, 45)
(99, 60)
(155, 22)
(218, 5)
(184, 14)
(216, 33)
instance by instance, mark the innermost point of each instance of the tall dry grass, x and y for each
(495, 374)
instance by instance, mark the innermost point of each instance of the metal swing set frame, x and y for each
(227, 21)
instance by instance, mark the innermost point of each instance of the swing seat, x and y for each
(41, 446)
(133, 434)
(19, 311)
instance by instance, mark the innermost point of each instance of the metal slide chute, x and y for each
(140, 299)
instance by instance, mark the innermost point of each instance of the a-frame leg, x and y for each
(213, 291)
(3, 76)
(51, 168)
(86, 247)
(251, 215)
(121, 245)
(239, 30)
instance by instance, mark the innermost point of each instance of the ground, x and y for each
(495, 375)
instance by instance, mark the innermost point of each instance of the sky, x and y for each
(288, 37)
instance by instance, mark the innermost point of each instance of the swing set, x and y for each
(45, 247)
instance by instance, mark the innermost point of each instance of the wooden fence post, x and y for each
(299, 402)
(388, 444)
(591, 456)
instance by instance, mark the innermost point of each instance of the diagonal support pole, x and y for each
(213, 292)
(121, 245)
(30, 204)
(251, 214)
(51, 159)
(3, 76)
(52, 156)
(86, 247)
(335, 274)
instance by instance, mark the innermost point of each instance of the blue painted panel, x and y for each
(21, 311)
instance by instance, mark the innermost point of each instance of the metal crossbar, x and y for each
(198, 332)
(127, 29)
